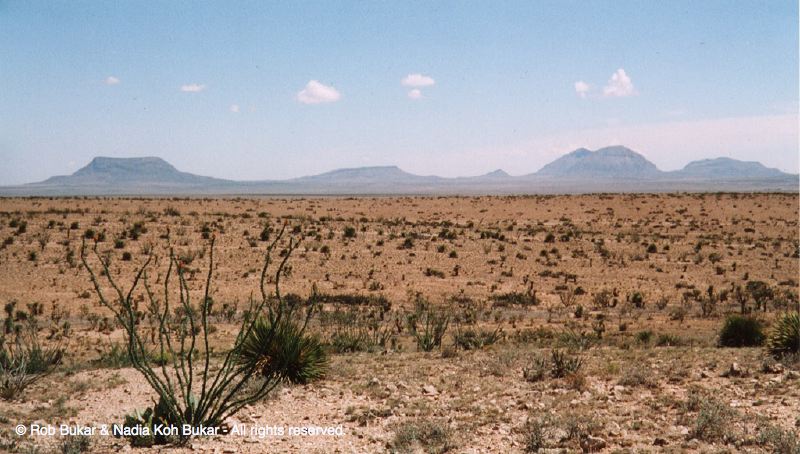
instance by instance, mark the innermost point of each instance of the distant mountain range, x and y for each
(611, 169)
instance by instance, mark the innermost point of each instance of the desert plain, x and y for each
(629, 291)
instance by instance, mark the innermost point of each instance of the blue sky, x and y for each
(256, 90)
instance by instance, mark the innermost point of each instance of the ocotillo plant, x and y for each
(271, 345)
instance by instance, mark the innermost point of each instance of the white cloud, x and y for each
(111, 80)
(415, 93)
(582, 88)
(316, 93)
(234, 108)
(417, 80)
(619, 85)
(193, 88)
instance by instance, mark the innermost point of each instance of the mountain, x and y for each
(611, 169)
(610, 162)
(124, 172)
(498, 174)
(727, 168)
(360, 175)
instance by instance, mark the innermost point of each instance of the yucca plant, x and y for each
(268, 349)
(784, 339)
(282, 349)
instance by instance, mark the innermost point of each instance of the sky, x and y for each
(267, 90)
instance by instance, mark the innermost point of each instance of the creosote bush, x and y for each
(270, 348)
(739, 331)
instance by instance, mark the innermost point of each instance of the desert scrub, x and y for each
(557, 431)
(427, 324)
(425, 435)
(23, 361)
(473, 339)
(563, 364)
(740, 331)
(76, 444)
(712, 420)
(189, 391)
(638, 376)
(784, 339)
(536, 370)
(782, 441)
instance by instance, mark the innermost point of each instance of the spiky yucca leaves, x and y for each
(785, 336)
(283, 350)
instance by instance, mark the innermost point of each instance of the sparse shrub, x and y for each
(644, 337)
(429, 436)
(637, 299)
(432, 272)
(784, 339)
(534, 434)
(171, 211)
(114, 358)
(668, 340)
(24, 361)
(537, 370)
(349, 232)
(427, 324)
(741, 331)
(637, 376)
(782, 441)
(563, 363)
(713, 419)
(515, 298)
(473, 339)
(76, 444)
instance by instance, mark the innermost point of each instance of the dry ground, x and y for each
(652, 377)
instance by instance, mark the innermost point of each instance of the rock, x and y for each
(391, 387)
(592, 444)
(735, 371)
(430, 390)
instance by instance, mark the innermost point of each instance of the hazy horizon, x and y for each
(274, 91)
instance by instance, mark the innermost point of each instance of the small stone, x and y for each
(735, 371)
(430, 390)
(592, 444)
